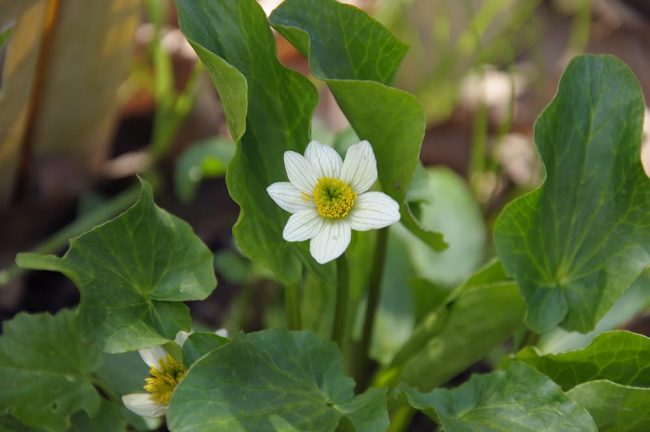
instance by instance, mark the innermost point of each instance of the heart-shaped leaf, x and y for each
(133, 273)
(577, 242)
(274, 380)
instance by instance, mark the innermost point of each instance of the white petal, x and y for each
(143, 405)
(373, 210)
(325, 159)
(331, 241)
(300, 172)
(360, 167)
(181, 337)
(303, 225)
(222, 332)
(289, 198)
(151, 356)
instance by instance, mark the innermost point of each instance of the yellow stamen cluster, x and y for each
(164, 379)
(333, 198)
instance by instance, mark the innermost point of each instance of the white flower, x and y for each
(165, 373)
(329, 197)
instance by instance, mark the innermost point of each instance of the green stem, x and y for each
(58, 240)
(341, 307)
(292, 307)
(401, 418)
(374, 294)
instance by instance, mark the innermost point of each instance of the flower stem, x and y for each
(374, 287)
(292, 307)
(341, 306)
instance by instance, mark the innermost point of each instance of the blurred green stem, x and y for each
(401, 418)
(341, 306)
(292, 307)
(374, 294)
(108, 210)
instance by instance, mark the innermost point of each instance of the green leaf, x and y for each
(357, 58)
(577, 242)
(273, 380)
(610, 377)
(450, 337)
(614, 356)
(199, 344)
(133, 273)
(633, 302)
(614, 407)
(45, 370)
(269, 109)
(206, 159)
(108, 419)
(447, 205)
(516, 399)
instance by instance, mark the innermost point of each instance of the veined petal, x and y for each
(303, 225)
(151, 356)
(373, 210)
(325, 160)
(360, 167)
(143, 405)
(289, 198)
(330, 243)
(300, 172)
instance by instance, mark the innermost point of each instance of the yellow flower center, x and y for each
(164, 379)
(333, 198)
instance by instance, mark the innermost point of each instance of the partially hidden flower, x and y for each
(329, 197)
(165, 373)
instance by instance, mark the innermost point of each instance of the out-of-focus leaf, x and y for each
(451, 337)
(108, 419)
(273, 380)
(516, 399)
(268, 108)
(206, 159)
(45, 370)
(577, 242)
(134, 272)
(446, 205)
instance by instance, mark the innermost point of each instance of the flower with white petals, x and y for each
(328, 198)
(165, 373)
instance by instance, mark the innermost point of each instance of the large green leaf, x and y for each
(133, 273)
(610, 377)
(269, 109)
(357, 58)
(516, 399)
(619, 356)
(274, 380)
(576, 243)
(482, 314)
(45, 370)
